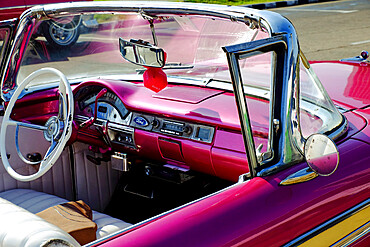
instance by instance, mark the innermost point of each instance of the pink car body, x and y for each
(191, 132)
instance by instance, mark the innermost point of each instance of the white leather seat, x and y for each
(34, 231)
(34, 202)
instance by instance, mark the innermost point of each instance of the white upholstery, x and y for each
(18, 227)
(94, 184)
(35, 202)
(58, 181)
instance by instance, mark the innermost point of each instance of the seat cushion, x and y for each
(36, 202)
(19, 227)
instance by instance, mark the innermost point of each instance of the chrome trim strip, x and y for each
(353, 236)
(340, 130)
(15, 7)
(300, 176)
(330, 223)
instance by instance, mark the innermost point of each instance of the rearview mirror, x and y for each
(321, 154)
(142, 53)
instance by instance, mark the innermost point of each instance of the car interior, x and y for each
(133, 152)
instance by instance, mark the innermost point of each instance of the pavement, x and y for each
(331, 30)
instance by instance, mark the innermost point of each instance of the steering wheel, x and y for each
(57, 130)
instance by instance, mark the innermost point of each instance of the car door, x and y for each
(263, 209)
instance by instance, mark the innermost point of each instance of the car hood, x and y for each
(348, 84)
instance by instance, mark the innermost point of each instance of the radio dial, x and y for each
(187, 130)
(155, 123)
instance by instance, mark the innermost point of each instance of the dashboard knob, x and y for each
(148, 171)
(188, 129)
(155, 123)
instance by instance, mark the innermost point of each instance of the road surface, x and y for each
(331, 30)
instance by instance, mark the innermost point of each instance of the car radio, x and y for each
(175, 128)
(188, 130)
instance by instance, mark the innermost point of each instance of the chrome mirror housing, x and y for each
(142, 53)
(321, 154)
(322, 157)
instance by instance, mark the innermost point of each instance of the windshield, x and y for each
(317, 112)
(87, 46)
(193, 45)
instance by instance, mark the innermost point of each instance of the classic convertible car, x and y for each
(179, 125)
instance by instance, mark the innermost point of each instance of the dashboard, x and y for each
(114, 120)
(184, 126)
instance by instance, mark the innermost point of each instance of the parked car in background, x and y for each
(180, 124)
(59, 32)
(14, 8)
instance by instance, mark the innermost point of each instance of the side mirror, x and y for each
(142, 53)
(321, 154)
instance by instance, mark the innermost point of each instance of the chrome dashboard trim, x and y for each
(193, 132)
(101, 122)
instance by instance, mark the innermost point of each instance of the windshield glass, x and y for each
(79, 49)
(85, 46)
(317, 112)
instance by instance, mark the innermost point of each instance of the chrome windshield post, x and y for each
(243, 111)
(285, 138)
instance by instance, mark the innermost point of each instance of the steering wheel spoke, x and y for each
(62, 113)
(57, 129)
(27, 125)
(51, 149)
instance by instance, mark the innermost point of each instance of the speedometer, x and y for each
(110, 107)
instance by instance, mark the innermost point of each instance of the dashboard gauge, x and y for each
(110, 107)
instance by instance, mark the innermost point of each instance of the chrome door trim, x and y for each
(300, 176)
(350, 238)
